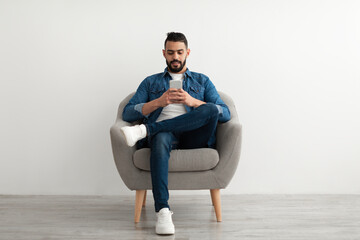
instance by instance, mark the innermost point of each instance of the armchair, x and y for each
(193, 169)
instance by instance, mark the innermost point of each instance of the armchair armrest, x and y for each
(228, 145)
(123, 154)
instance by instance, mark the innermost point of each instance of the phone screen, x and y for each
(176, 84)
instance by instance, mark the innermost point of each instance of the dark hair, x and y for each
(176, 37)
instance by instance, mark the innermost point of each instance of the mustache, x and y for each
(175, 61)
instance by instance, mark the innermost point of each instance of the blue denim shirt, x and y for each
(197, 85)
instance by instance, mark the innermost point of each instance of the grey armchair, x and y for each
(193, 169)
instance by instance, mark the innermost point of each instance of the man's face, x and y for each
(175, 54)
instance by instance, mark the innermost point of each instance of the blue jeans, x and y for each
(191, 130)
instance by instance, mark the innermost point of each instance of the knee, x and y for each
(210, 109)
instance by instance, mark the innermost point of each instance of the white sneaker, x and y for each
(133, 133)
(164, 223)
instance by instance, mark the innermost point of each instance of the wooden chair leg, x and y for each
(216, 200)
(139, 200)
(144, 202)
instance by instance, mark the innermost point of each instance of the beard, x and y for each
(176, 69)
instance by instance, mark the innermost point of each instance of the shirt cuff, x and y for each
(138, 108)
(220, 109)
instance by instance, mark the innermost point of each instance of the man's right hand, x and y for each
(170, 96)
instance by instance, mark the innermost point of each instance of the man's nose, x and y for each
(176, 56)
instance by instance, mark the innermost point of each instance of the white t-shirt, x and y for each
(175, 109)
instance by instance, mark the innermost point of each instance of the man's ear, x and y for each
(163, 52)
(188, 52)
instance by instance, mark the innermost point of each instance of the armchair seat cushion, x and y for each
(181, 160)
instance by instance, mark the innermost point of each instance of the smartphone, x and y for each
(176, 84)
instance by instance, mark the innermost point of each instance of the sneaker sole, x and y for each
(163, 231)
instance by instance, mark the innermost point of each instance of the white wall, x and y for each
(292, 68)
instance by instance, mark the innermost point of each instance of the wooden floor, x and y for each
(244, 217)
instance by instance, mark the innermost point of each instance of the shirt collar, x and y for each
(187, 73)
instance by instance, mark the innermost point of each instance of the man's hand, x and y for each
(182, 97)
(167, 98)
(172, 95)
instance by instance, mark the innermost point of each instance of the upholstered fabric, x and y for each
(181, 160)
(228, 145)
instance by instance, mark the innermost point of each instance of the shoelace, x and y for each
(165, 217)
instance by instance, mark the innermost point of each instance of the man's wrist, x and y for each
(157, 103)
(197, 103)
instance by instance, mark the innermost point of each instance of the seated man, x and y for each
(184, 117)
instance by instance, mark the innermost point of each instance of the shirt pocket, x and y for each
(197, 92)
(156, 92)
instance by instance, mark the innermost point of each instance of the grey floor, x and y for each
(244, 217)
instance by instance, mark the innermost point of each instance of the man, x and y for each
(183, 118)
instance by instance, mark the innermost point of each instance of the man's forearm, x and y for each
(151, 106)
